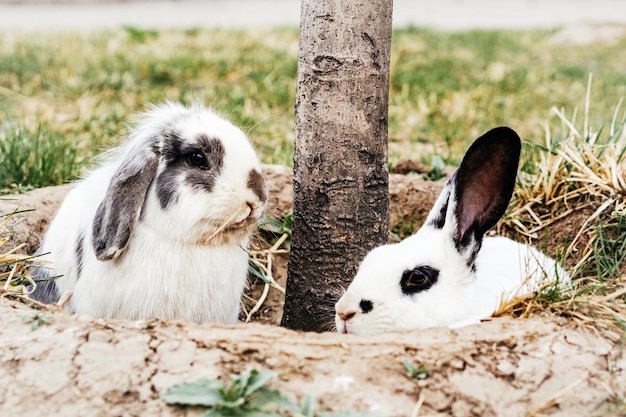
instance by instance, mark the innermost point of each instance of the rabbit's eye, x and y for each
(197, 159)
(418, 279)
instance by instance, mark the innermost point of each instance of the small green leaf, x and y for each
(232, 403)
(34, 325)
(414, 372)
(258, 379)
(438, 163)
(276, 228)
(239, 383)
(307, 408)
(438, 167)
(271, 225)
(205, 392)
(266, 397)
(36, 319)
(256, 413)
(219, 412)
(252, 268)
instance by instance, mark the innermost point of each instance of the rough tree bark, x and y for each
(341, 202)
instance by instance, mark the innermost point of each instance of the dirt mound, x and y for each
(77, 366)
(513, 367)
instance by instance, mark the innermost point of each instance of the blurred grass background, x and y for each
(66, 97)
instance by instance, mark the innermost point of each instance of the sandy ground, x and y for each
(76, 366)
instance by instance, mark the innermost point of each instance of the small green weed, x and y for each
(405, 228)
(246, 395)
(420, 371)
(276, 228)
(437, 170)
(37, 319)
(551, 293)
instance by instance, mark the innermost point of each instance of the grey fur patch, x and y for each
(257, 184)
(179, 168)
(46, 291)
(79, 251)
(116, 216)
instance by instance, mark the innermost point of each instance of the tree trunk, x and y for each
(341, 200)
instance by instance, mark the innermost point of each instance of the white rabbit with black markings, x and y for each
(161, 228)
(446, 274)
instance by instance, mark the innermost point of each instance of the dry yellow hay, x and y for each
(580, 171)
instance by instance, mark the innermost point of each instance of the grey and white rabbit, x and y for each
(161, 228)
(447, 274)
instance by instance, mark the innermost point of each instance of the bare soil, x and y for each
(545, 366)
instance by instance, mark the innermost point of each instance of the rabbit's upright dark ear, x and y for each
(484, 184)
(116, 216)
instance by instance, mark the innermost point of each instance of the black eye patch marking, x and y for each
(418, 279)
(195, 162)
(366, 306)
(213, 150)
(205, 178)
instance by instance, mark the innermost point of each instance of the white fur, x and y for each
(468, 289)
(181, 262)
(460, 297)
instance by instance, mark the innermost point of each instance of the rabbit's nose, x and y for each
(255, 210)
(346, 315)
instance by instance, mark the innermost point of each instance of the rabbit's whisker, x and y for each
(225, 224)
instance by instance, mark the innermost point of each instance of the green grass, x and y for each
(35, 158)
(609, 250)
(446, 88)
(87, 87)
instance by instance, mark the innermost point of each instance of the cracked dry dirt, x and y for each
(77, 366)
(80, 367)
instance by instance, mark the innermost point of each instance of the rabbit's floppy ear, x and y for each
(484, 184)
(118, 212)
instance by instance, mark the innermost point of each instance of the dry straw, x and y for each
(262, 261)
(14, 267)
(579, 173)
